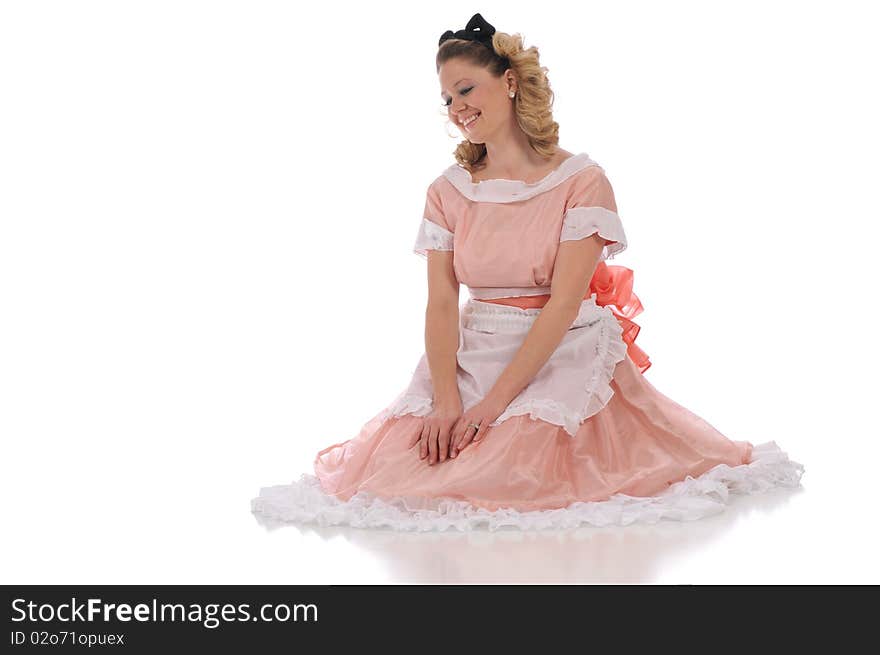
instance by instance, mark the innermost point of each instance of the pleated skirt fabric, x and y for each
(633, 455)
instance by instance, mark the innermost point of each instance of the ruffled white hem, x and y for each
(580, 222)
(304, 501)
(432, 237)
(610, 350)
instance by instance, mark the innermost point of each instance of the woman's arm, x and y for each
(441, 328)
(576, 261)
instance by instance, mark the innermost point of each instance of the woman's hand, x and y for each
(436, 433)
(481, 414)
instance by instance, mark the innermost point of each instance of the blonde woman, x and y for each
(529, 406)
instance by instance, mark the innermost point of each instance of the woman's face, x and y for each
(469, 91)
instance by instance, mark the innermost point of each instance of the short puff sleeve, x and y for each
(590, 209)
(434, 231)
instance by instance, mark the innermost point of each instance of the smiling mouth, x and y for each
(468, 125)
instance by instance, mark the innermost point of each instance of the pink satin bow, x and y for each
(613, 286)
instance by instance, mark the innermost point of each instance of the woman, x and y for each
(529, 406)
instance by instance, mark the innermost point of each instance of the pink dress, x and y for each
(588, 441)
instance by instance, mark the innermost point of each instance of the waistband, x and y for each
(493, 317)
(482, 293)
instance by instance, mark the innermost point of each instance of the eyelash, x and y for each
(463, 92)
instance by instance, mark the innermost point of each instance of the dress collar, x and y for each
(503, 190)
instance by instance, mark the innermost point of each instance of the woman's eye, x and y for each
(463, 92)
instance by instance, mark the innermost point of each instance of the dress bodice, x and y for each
(505, 234)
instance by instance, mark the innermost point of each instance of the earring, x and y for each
(512, 93)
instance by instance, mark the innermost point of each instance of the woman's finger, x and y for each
(423, 442)
(451, 446)
(442, 444)
(484, 425)
(452, 452)
(468, 435)
(456, 433)
(459, 432)
(432, 446)
(461, 437)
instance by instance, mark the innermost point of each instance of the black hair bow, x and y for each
(477, 29)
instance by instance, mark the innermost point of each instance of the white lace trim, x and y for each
(408, 403)
(492, 317)
(502, 190)
(432, 237)
(304, 501)
(580, 222)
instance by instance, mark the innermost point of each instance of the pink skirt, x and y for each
(589, 441)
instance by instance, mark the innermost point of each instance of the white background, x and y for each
(207, 211)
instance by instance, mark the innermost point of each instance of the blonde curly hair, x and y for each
(534, 98)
